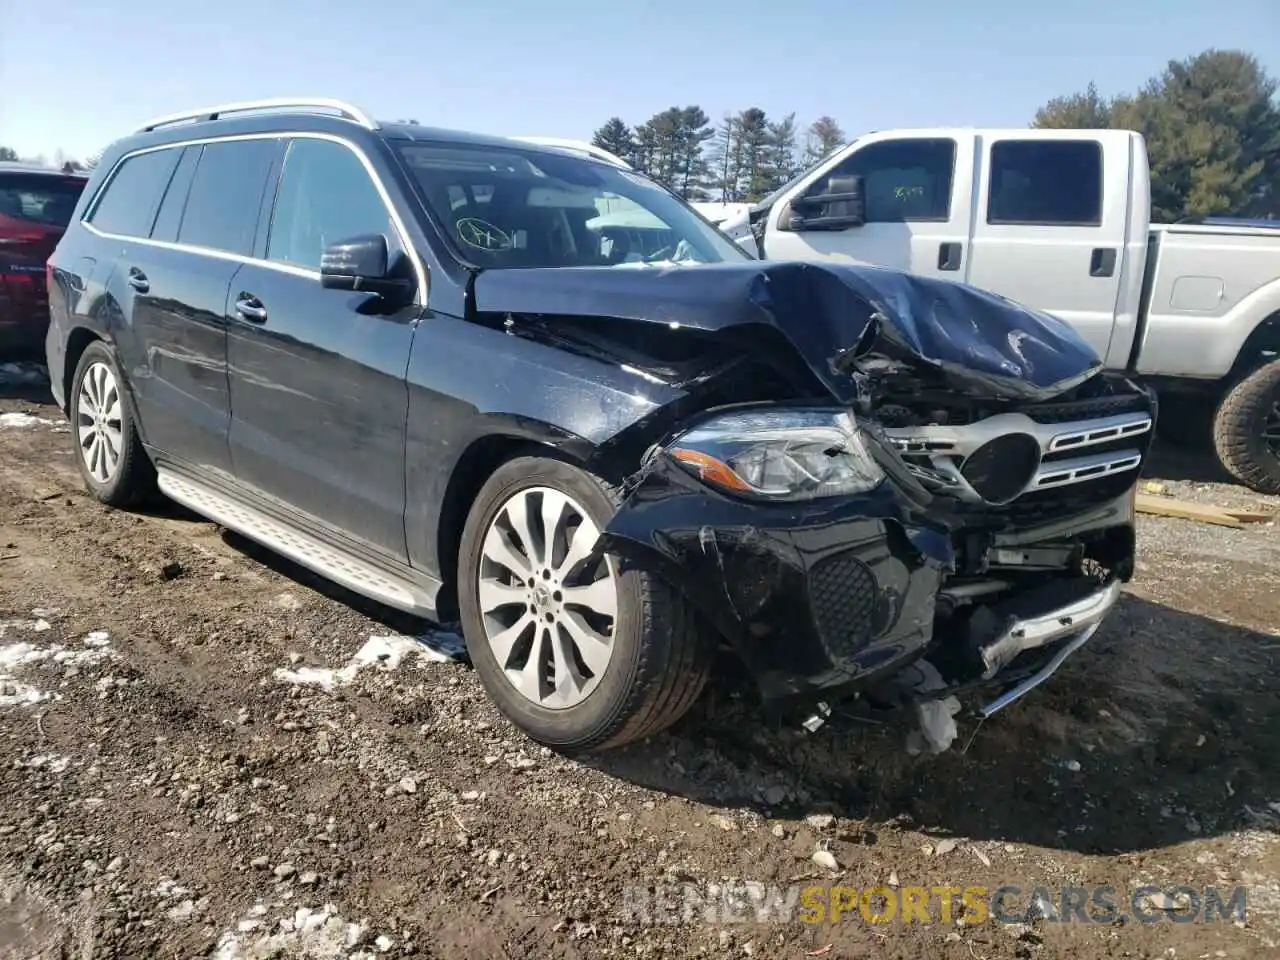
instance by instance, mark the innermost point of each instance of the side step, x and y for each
(404, 591)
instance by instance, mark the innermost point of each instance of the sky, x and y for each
(77, 74)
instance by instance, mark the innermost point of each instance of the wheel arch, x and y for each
(1261, 347)
(478, 462)
(78, 341)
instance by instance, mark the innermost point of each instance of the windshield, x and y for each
(511, 208)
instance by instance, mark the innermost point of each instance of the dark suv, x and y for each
(35, 206)
(530, 388)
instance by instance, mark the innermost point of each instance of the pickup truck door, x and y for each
(1051, 223)
(917, 195)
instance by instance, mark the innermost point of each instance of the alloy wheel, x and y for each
(1271, 429)
(549, 606)
(98, 422)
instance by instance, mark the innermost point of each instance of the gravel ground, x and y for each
(208, 752)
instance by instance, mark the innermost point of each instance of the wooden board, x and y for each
(1199, 512)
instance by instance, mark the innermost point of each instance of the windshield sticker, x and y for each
(482, 235)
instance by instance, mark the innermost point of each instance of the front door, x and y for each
(317, 377)
(916, 196)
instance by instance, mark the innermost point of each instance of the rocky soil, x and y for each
(206, 752)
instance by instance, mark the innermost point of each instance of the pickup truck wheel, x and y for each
(109, 451)
(577, 653)
(1246, 430)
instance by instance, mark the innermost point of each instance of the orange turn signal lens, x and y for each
(710, 469)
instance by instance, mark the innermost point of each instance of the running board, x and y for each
(413, 594)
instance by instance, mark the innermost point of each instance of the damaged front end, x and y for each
(922, 492)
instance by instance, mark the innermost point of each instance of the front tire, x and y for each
(575, 652)
(1246, 430)
(109, 451)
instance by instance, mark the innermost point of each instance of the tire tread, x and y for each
(135, 484)
(1234, 426)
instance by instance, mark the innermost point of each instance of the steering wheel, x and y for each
(482, 235)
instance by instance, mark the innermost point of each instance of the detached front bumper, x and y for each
(1075, 623)
(843, 593)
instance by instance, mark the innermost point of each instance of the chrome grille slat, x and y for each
(1060, 473)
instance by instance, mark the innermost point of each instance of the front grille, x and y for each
(843, 601)
(997, 459)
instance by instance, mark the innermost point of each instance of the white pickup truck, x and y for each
(1059, 220)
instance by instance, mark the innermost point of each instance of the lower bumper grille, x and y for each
(843, 598)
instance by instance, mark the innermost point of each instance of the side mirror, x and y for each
(835, 205)
(361, 264)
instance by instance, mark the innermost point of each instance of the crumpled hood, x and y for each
(983, 344)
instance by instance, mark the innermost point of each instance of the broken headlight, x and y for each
(780, 454)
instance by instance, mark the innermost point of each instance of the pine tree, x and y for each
(616, 137)
(823, 138)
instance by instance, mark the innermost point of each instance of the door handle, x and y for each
(1102, 262)
(251, 308)
(949, 256)
(138, 280)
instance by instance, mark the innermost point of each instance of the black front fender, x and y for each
(811, 595)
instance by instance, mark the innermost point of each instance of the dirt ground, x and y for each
(204, 752)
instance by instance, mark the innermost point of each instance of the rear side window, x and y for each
(1046, 182)
(128, 203)
(226, 194)
(46, 201)
(904, 180)
(326, 195)
(175, 198)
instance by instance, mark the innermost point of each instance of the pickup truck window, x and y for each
(325, 196)
(904, 180)
(506, 208)
(226, 194)
(1045, 183)
(127, 205)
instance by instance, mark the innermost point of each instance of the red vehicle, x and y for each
(36, 204)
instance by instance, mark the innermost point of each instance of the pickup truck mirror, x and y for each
(834, 205)
(360, 263)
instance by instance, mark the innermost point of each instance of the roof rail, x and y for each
(581, 146)
(343, 109)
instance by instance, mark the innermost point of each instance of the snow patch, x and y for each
(14, 657)
(35, 626)
(385, 653)
(13, 693)
(20, 420)
(48, 761)
(306, 932)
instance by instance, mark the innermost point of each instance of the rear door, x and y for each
(172, 273)
(917, 191)
(1052, 215)
(318, 395)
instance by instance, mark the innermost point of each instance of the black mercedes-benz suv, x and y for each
(526, 387)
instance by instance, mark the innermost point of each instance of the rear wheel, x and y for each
(1246, 430)
(577, 653)
(109, 452)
